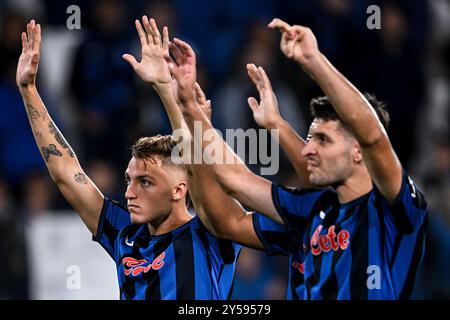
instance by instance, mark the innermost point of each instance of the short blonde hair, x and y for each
(159, 146)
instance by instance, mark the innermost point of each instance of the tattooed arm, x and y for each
(61, 161)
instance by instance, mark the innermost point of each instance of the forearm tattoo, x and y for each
(34, 113)
(50, 150)
(59, 138)
(80, 178)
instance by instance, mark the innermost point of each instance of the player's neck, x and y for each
(178, 216)
(354, 187)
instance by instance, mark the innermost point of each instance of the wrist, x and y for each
(27, 89)
(162, 87)
(312, 64)
(190, 109)
(276, 124)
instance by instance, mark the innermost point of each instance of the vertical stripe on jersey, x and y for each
(203, 288)
(168, 276)
(184, 265)
(127, 287)
(159, 277)
(376, 257)
(297, 278)
(152, 277)
(314, 278)
(330, 287)
(408, 286)
(343, 258)
(360, 256)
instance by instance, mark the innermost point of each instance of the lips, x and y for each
(311, 164)
(132, 207)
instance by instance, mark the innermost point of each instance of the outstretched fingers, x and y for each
(185, 47)
(30, 35)
(148, 30)
(155, 32)
(142, 36)
(165, 43)
(37, 38)
(264, 78)
(255, 76)
(24, 42)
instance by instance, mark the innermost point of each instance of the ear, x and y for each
(356, 153)
(179, 191)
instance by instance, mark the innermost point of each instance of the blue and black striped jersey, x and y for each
(365, 249)
(186, 263)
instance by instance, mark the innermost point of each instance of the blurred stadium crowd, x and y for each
(101, 107)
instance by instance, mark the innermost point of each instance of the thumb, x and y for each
(199, 94)
(172, 65)
(130, 59)
(253, 104)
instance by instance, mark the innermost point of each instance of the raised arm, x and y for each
(299, 44)
(267, 115)
(225, 216)
(154, 70)
(235, 178)
(59, 157)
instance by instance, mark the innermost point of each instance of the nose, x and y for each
(130, 194)
(309, 149)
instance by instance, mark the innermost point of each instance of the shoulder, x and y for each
(301, 198)
(409, 192)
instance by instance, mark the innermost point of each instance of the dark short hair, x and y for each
(159, 146)
(321, 108)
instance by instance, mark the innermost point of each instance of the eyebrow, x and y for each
(139, 176)
(315, 133)
(319, 134)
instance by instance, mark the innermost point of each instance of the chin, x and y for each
(136, 219)
(318, 182)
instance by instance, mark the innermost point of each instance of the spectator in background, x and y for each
(217, 44)
(152, 118)
(13, 264)
(232, 110)
(105, 178)
(398, 75)
(437, 178)
(38, 193)
(434, 278)
(256, 277)
(17, 152)
(102, 84)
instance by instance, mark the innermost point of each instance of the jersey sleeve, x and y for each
(275, 237)
(223, 255)
(223, 252)
(113, 218)
(409, 209)
(295, 205)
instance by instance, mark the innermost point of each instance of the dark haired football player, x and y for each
(160, 251)
(359, 234)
